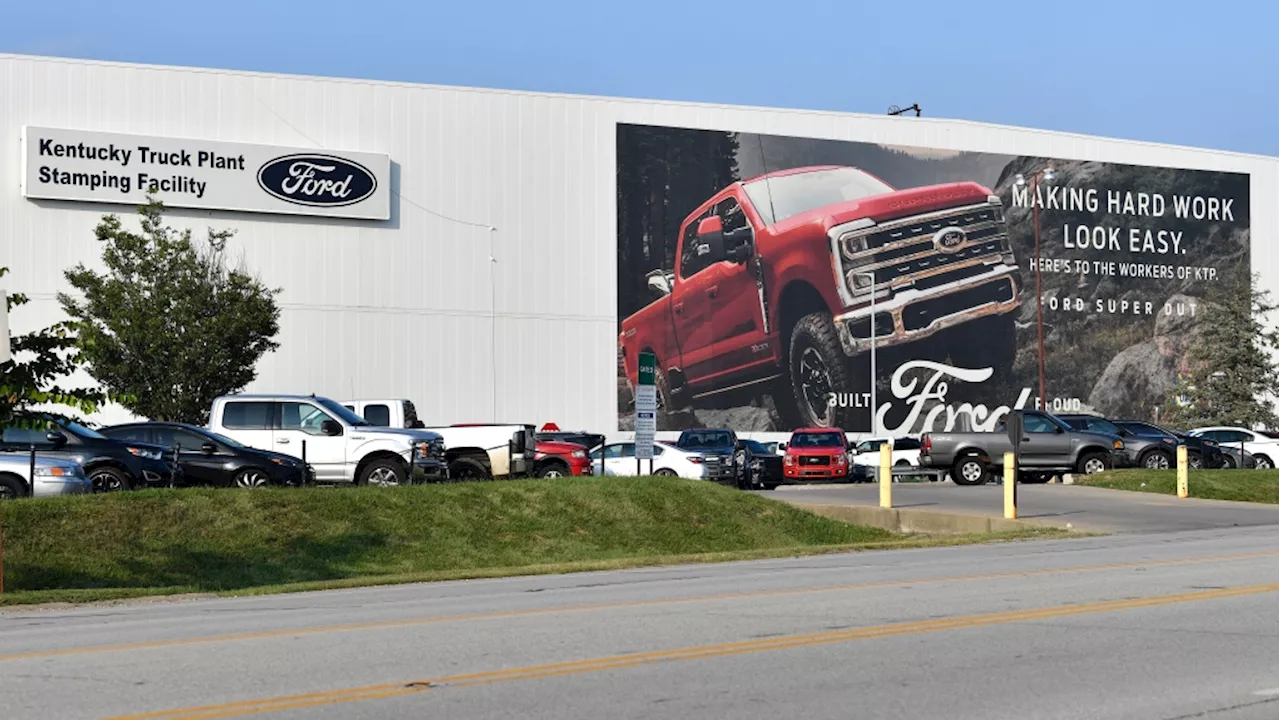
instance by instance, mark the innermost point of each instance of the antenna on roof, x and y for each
(895, 110)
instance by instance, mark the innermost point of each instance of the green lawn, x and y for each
(159, 542)
(1260, 486)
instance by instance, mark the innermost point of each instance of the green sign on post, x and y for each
(646, 407)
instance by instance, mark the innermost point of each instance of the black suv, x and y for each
(111, 465)
(1144, 450)
(207, 458)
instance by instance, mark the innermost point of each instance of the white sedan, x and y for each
(53, 477)
(620, 459)
(1265, 450)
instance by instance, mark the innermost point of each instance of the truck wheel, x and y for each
(970, 470)
(467, 469)
(1092, 463)
(553, 470)
(989, 342)
(383, 472)
(818, 367)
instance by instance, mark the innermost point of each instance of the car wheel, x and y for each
(1092, 463)
(553, 470)
(665, 472)
(1194, 461)
(1262, 462)
(1157, 460)
(383, 472)
(818, 367)
(467, 469)
(11, 488)
(970, 470)
(251, 478)
(1228, 462)
(109, 479)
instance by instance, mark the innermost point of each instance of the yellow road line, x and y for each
(616, 662)
(411, 622)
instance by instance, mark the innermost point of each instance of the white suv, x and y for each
(338, 444)
(1265, 450)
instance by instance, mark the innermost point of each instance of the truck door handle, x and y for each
(283, 441)
(713, 291)
(679, 308)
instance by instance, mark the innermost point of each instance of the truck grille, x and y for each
(905, 248)
(815, 460)
(718, 466)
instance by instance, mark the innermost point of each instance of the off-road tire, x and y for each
(816, 332)
(967, 463)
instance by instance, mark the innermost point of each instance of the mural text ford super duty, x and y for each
(773, 281)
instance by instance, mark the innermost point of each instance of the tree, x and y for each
(169, 324)
(38, 369)
(1232, 377)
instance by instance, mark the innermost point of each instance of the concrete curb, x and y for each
(910, 520)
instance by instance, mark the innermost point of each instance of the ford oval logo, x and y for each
(949, 239)
(317, 180)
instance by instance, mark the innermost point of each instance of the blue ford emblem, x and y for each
(317, 180)
(949, 238)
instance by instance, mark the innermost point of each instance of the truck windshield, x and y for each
(706, 439)
(784, 196)
(826, 439)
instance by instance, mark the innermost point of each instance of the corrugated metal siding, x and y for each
(406, 308)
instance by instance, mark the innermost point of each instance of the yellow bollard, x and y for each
(886, 476)
(1010, 485)
(1182, 471)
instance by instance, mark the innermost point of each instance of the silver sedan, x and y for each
(53, 477)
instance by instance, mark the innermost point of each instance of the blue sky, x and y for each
(1177, 71)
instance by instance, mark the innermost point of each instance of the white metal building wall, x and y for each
(414, 307)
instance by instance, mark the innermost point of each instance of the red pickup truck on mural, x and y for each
(773, 284)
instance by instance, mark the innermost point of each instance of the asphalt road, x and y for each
(1085, 508)
(1153, 626)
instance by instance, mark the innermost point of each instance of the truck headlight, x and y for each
(580, 454)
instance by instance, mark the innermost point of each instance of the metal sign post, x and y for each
(646, 408)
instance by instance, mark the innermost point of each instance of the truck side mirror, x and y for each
(710, 246)
(658, 284)
(518, 444)
(330, 428)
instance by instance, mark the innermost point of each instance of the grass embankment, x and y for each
(1259, 486)
(160, 542)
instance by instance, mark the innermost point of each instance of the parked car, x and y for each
(1153, 453)
(816, 454)
(52, 477)
(207, 458)
(472, 451)
(781, 263)
(669, 460)
(590, 441)
(864, 458)
(1201, 452)
(725, 458)
(560, 459)
(1264, 448)
(111, 465)
(341, 446)
(765, 466)
(1049, 446)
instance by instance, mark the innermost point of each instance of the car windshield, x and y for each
(80, 430)
(706, 439)
(342, 412)
(826, 439)
(780, 197)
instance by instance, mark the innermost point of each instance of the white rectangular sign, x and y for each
(646, 420)
(5, 351)
(86, 166)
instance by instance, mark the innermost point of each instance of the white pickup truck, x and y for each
(338, 444)
(865, 456)
(472, 451)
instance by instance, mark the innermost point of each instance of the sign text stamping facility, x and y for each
(86, 166)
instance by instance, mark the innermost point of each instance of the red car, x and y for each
(560, 459)
(773, 282)
(817, 454)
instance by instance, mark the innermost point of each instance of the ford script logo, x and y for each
(317, 180)
(949, 239)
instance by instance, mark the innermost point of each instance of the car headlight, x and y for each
(286, 463)
(54, 472)
(580, 454)
(145, 453)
